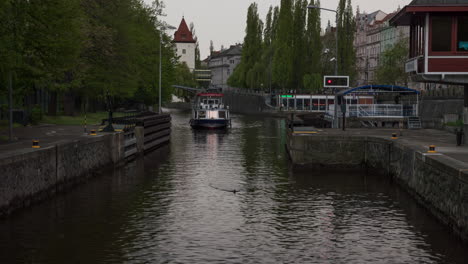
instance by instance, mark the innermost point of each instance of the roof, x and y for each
(234, 50)
(377, 88)
(403, 18)
(437, 2)
(183, 34)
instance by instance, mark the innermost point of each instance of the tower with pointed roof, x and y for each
(185, 44)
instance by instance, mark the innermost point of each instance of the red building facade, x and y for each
(438, 40)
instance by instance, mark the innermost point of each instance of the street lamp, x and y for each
(161, 30)
(335, 123)
(336, 21)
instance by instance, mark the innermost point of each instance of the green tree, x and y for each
(282, 59)
(346, 32)
(314, 42)
(249, 73)
(391, 69)
(299, 43)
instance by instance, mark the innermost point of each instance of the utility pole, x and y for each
(10, 105)
(160, 71)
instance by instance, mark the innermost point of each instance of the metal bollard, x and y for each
(35, 144)
(432, 149)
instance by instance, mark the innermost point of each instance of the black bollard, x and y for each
(459, 135)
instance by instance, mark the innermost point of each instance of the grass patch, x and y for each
(458, 123)
(92, 119)
(4, 124)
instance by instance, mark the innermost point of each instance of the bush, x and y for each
(36, 115)
(458, 123)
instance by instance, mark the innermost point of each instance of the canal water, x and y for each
(212, 197)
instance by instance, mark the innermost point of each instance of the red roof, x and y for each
(183, 34)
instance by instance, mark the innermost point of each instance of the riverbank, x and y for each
(68, 156)
(438, 180)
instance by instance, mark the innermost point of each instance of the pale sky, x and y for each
(223, 21)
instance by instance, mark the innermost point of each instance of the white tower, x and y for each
(185, 44)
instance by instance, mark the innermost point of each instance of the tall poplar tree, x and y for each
(249, 72)
(346, 33)
(299, 43)
(282, 59)
(314, 68)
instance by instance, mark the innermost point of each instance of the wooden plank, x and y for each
(131, 152)
(157, 142)
(149, 131)
(130, 142)
(156, 122)
(157, 135)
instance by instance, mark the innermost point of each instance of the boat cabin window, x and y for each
(462, 33)
(441, 33)
(202, 114)
(222, 114)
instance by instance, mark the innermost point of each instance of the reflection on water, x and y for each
(228, 197)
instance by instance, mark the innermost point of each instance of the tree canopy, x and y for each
(85, 49)
(287, 51)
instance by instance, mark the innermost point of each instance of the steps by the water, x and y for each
(414, 122)
(368, 124)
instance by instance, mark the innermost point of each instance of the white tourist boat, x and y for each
(209, 112)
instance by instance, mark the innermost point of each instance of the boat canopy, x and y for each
(375, 89)
(210, 94)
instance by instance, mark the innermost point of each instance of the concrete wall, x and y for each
(37, 173)
(432, 111)
(439, 182)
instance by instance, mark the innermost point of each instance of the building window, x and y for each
(184, 36)
(232, 61)
(184, 51)
(441, 33)
(462, 33)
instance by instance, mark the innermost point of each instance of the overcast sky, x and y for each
(223, 21)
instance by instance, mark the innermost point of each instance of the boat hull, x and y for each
(209, 123)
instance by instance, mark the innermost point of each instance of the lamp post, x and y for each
(335, 120)
(336, 21)
(161, 30)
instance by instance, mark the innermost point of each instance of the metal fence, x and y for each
(377, 110)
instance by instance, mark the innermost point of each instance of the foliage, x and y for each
(346, 33)
(391, 69)
(84, 48)
(249, 72)
(458, 123)
(313, 82)
(288, 53)
(36, 115)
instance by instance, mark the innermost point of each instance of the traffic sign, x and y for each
(336, 81)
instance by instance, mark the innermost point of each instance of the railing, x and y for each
(377, 111)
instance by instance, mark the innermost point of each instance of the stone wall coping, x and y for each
(440, 161)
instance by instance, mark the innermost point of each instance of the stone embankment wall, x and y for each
(439, 182)
(37, 174)
(434, 112)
